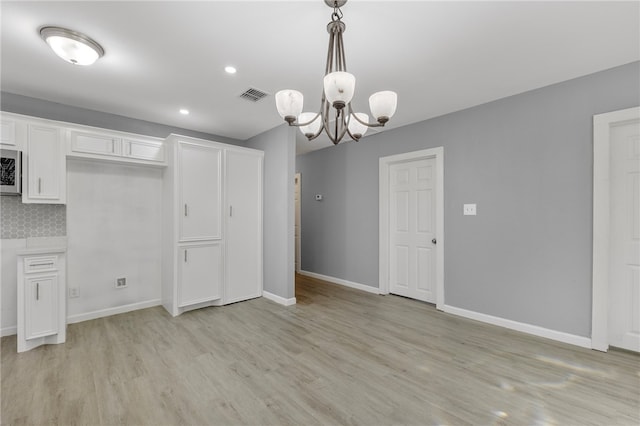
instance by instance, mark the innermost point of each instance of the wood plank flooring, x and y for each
(338, 357)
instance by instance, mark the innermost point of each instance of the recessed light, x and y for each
(184, 111)
(72, 46)
(230, 70)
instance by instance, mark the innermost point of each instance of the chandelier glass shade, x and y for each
(336, 116)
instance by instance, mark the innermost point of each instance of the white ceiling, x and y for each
(439, 57)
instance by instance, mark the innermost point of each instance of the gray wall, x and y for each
(526, 160)
(19, 104)
(279, 148)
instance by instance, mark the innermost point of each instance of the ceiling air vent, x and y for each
(253, 95)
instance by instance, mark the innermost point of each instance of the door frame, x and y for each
(602, 124)
(298, 220)
(384, 185)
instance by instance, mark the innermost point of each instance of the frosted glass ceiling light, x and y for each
(339, 87)
(74, 47)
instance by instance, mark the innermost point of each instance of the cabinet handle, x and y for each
(39, 185)
(186, 212)
(37, 291)
(185, 255)
(42, 264)
(230, 211)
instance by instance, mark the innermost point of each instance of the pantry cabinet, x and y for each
(44, 167)
(243, 237)
(212, 247)
(41, 297)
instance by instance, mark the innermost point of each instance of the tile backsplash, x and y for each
(31, 220)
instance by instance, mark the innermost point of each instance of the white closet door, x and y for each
(244, 226)
(200, 192)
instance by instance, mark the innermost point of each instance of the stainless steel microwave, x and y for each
(10, 172)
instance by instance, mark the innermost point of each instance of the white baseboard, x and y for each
(9, 331)
(340, 281)
(278, 299)
(559, 336)
(112, 311)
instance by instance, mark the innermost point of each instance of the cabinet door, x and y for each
(243, 238)
(200, 274)
(93, 143)
(41, 306)
(200, 192)
(46, 166)
(7, 132)
(143, 150)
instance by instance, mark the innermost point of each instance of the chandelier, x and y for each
(339, 88)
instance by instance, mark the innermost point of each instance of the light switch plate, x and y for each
(469, 210)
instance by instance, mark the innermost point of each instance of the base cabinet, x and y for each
(41, 298)
(41, 306)
(200, 274)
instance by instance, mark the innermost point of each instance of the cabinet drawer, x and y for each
(40, 263)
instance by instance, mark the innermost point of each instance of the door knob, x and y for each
(434, 241)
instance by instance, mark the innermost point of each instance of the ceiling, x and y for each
(439, 57)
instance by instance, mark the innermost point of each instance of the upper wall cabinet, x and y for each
(7, 132)
(116, 147)
(45, 167)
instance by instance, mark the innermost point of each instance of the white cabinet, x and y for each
(243, 236)
(45, 166)
(199, 191)
(115, 146)
(41, 306)
(143, 150)
(200, 274)
(212, 241)
(94, 143)
(7, 131)
(41, 298)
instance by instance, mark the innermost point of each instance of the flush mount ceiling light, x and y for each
(339, 87)
(72, 46)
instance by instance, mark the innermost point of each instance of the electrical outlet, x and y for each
(74, 292)
(121, 282)
(469, 210)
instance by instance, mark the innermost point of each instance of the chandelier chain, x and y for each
(337, 13)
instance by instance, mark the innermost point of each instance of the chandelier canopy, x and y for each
(339, 88)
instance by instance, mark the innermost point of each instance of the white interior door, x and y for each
(412, 263)
(297, 222)
(624, 260)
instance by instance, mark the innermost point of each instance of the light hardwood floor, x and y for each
(340, 356)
